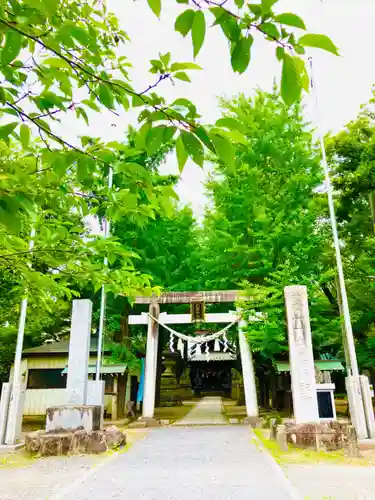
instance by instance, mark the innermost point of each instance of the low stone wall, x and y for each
(74, 442)
(327, 436)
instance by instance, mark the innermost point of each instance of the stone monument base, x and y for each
(73, 418)
(76, 442)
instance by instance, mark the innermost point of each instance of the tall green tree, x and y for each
(266, 227)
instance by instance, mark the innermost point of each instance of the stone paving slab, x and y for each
(208, 463)
(208, 411)
(332, 482)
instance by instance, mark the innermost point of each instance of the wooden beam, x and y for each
(188, 297)
(180, 319)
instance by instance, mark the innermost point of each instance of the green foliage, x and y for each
(264, 230)
(351, 155)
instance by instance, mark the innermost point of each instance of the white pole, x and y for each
(107, 227)
(340, 271)
(247, 371)
(21, 327)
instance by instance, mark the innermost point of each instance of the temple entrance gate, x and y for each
(197, 300)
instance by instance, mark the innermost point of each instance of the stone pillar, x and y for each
(79, 350)
(15, 413)
(247, 372)
(367, 403)
(4, 406)
(305, 401)
(150, 363)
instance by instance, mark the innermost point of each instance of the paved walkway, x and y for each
(208, 411)
(208, 463)
(333, 482)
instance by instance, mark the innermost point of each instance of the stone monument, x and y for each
(77, 413)
(305, 401)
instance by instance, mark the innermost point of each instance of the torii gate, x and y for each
(227, 296)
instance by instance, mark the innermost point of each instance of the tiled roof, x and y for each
(61, 347)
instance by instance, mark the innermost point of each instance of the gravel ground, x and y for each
(333, 482)
(42, 478)
(209, 463)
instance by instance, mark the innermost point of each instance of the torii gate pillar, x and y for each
(151, 362)
(248, 375)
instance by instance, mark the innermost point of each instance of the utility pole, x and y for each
(107, 228)
(13, 408)
(353, 382)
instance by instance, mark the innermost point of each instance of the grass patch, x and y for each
(173, 413)
(302, 456)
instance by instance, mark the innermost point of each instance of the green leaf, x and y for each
(290, 20)
(165, 58)
(181, 75)
(280, 53)
(56, 62)
(267, 5)
(51, 6)
(81, 35)
(230, 29)
(186, 65)
(184, 22)
(224, 149)
(293, 79)
(198, 31)
(25, 135)
(12, 47)
(201, 133)
(154, 139)
(181, 154)
(270, 29)
(320, 42)
(155, 6)
(105, 96)
(7, 129)
(233, 135)
(91, 104)
(241, 54)
(239, 3)
(255, 9)
(168, 133)
(230, 123)
(193, 147)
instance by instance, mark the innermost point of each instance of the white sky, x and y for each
(344, 83)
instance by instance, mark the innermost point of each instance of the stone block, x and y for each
(113, 437)
(273, 428)
(281, 438)
(254, 422)
(71, 418)
(137, 425)
(76, 442)
(327, 436)
(352, 442)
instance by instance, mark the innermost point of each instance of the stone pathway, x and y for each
(333, 482)
(211, 463)
(208, 411)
